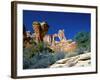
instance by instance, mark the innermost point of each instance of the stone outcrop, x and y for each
(76, 61)
(40, 30)
(64, 46)
(37, 30)
(40, 35)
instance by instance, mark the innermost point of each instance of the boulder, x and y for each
(75, 61)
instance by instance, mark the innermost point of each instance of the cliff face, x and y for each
(64, 46)
(76, 61)
(40, 35)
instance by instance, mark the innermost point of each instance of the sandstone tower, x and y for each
(38, 31)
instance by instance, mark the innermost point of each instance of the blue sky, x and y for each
(72, 23)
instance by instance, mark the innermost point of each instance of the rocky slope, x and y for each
(76, 61)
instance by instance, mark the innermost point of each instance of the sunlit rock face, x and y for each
(40, 30)
(44, 27)
(83, 60)
(40, 35)
(37, 30)
(64, 45)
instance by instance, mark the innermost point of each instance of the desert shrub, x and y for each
(59, 55)
(71, 54)
(44, 59)
(26, 57)
(83, 41)
(27, 52)
(26, 63)
(41, 59)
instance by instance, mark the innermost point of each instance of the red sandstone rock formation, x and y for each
(38, 31)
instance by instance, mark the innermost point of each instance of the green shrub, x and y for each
(26, 63)
(41, 59)
(83, 41)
